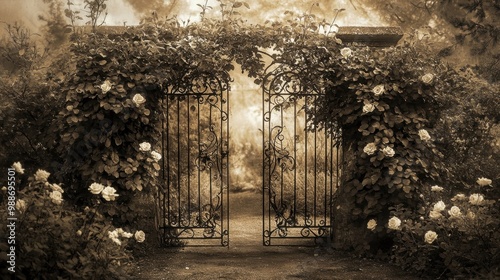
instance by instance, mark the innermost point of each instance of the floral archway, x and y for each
(381, 101)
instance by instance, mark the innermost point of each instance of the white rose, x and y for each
(41, 175)
(370, 148)
(455, 212)
(471, 215)
(371, 224)
(56, 197)
(436, 188)
(21, 206)
(424, 135)
(427, 78)
(56, 187)
(109, 193)
(476, 199)
(434, 215)
(430, 236)
(140, 236)
(483, 181)
(459, 197)
(144, 147)
(378, 90)
(394, 223)
(117, 241)
(18, 167)
(346, 52)
(138, 99)
(439, 206)
(123, 233)
(368, 108)
(114, 236)
(156, 155)
(106, 86)
(388, 152)
(96, 188)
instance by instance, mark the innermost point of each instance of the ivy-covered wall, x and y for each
(380, 101)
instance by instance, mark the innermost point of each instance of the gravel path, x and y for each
(246, 258)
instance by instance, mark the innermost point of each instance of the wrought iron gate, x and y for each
(194, 197)
(300, 170)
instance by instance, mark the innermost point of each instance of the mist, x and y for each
(130, 12)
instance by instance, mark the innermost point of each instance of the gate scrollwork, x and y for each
(300, 170)
(194, 196)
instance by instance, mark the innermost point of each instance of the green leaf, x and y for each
(366, 181)
(156, 166)
(407, 189)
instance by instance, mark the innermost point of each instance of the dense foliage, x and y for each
(53, 240)
(456, 236)
(29, 85)
(462, 32)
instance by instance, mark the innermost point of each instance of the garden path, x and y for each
(246, 258)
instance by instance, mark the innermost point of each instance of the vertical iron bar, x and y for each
(219, 152)
(305, 159)
(167, 108)
(179, 173)
(210, 166)
(281, 147)
(315, 160)
(325, 170)
(295, 140)
(263, 163)
(331, 180)
(227, 164)
(270, 168)
(199, 153)
(161, 193)
(188, 174)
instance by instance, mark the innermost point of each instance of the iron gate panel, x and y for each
(194, 197)
(300, 170)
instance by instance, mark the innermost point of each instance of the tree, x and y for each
(466, 32)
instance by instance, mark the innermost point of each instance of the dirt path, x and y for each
(246, 258)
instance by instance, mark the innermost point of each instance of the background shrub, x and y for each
(30, 98)
(468, 236)
(55, 241)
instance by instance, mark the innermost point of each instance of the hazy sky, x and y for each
(130, 11)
